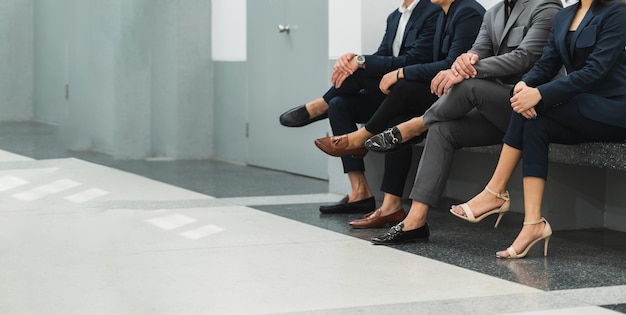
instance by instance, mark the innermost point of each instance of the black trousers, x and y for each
(563, 125)
(407, 99)
(353, 103)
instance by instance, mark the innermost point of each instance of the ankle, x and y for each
(317, 107)
(357, 139)
(495, 189)
(358, 196)
(413, 128)
(412, 224)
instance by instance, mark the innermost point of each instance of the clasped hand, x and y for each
(462, 68)
(344, 67)
(525, 99)
(388, 81)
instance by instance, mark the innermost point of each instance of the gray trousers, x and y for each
(476, 112)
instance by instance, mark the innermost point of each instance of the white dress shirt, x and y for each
(404, 19)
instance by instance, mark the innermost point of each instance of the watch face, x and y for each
(360, 59)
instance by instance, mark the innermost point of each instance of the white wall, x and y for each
(228, 30)
(374, 14)
(344, 27)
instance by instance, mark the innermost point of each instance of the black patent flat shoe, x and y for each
(298, 117)
(390, 140)
(395, 235)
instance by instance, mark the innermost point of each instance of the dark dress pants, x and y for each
(361, 80)
(475, 112)
(406, 100)
(354, 102)
(564, 125)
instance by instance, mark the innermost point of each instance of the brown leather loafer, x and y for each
(336, 146)
(376, 220)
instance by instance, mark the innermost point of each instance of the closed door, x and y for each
(286, 68)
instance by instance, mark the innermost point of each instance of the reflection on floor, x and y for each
(83, 233)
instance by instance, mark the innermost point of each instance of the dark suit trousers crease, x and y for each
(564, 125)
(475, 112)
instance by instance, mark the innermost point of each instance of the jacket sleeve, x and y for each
(521, 59)
(420, 50)
(465, 28)
(483, 46)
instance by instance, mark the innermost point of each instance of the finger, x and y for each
(465, 69)
(340, 82)
(440, 87)
(459, 69)
(384, 89)
(453, 68)
(342, 67)
(474, 59)
(447, 87)
(342, 78)
(435, 83)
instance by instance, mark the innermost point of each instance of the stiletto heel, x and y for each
(545, 246)
(545, 235)
(499, 218)
(469, 215)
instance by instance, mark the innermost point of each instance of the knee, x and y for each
(465, 86)
(534, 129)
(337, 107)
(442, 132)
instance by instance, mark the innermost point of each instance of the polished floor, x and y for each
(83, 233)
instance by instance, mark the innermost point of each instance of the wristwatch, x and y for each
(360, 61)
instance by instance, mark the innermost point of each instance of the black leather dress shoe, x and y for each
(298, 117)
(390, 140)
(396, 236)
(343, 206)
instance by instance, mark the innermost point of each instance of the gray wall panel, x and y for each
(16, 59)
(50, 60)
(231, 111)
(139, 75)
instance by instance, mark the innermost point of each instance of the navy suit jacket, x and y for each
(595, 63)
(417, 42)
(454, 35)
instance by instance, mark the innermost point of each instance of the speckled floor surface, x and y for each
(207, 237)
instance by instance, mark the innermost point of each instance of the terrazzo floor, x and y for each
(83, 233)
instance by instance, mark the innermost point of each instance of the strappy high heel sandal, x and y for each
(547, 232)
(469, 216)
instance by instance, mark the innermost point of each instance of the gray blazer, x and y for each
(507, 51)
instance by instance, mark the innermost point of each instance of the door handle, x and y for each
(283, 28)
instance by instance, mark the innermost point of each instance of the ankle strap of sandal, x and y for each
(535, 222)
(503, 196)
